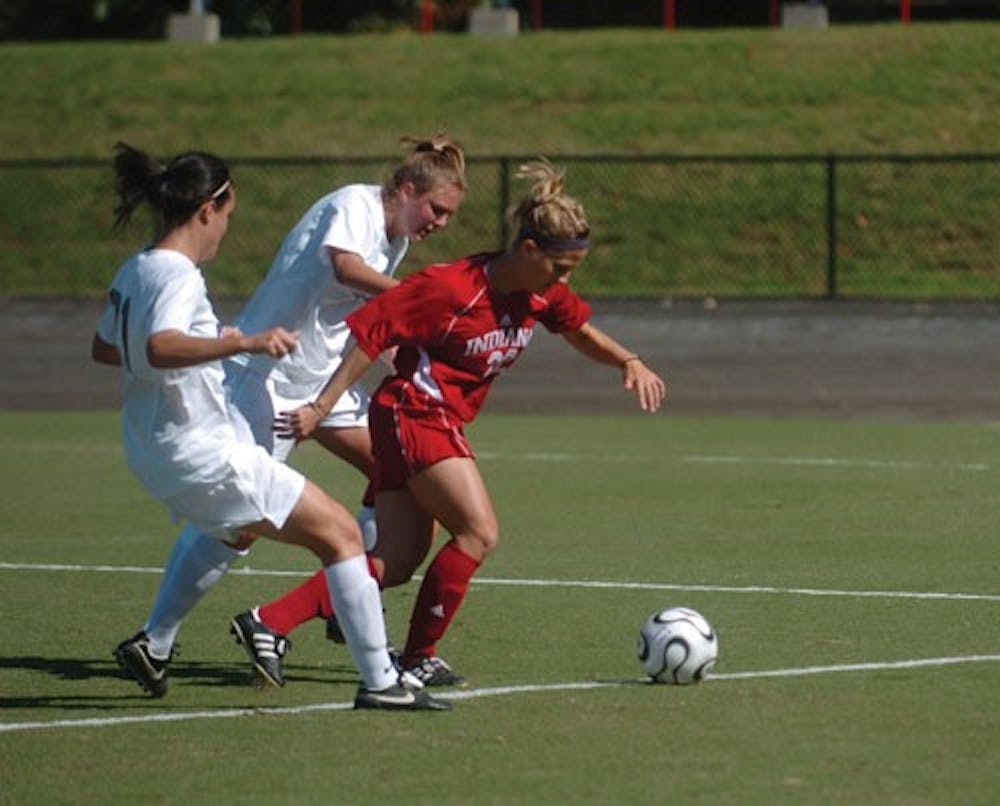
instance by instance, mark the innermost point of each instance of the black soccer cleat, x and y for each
(133, 656)
(264, 647)
(434, 672)
(406, 694)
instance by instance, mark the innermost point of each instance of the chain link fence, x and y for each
(845, 227)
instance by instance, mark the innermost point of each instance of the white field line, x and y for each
(820, 461)
(553, 583)
(475, 694)
(755, 589)
(722, 459)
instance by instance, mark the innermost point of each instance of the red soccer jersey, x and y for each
(455, 334)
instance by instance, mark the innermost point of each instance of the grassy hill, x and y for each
(922, 89)
(858, 89)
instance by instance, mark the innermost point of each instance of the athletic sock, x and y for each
(441, 594)
(368, 526)
(358, 606)
(197, 562)
(309, 600)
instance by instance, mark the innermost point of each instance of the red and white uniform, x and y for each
(455, 335)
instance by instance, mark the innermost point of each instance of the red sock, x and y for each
(309, 600)
(441, 594)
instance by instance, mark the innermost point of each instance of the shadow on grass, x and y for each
(184, 673)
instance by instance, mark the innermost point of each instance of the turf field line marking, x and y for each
(580, 583)
(553, 583)
(139, 569)
(479, 693)
(718, 459)
(916, 663)
(829, 461)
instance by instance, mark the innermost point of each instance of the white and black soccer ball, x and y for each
(677, 645)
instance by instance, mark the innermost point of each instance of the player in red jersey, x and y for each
(457, 327)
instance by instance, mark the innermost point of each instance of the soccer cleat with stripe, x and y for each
(434, 671)
(264, 647)
(133, 656)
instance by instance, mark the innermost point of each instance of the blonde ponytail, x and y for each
(547, 214)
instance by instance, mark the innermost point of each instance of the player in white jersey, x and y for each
(303, 290)
(188, 446)
(343, 250)
(458, 326)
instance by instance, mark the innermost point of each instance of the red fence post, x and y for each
(904, 11)
(295, 17)
(669, 14)
(772, 13)
(536, 15)
(426, 16)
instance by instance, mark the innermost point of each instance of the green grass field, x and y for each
(850, 569)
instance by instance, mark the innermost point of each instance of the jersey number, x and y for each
(499, 359)
(121, 317)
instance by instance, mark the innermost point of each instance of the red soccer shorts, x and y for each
(408, 438)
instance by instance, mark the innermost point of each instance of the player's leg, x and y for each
(324, 527)
(196, 563)
(353, 444)
(454, 492)
(302, 603)
(311, 599)
(267, 497)
(408, 533)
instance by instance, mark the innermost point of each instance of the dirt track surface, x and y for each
(828, 359)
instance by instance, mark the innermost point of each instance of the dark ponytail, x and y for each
(175, 190)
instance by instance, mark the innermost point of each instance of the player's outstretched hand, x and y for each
(298, 423)
(276, 342)
(647, 385)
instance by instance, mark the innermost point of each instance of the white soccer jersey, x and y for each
(177, 430)
(301, 292)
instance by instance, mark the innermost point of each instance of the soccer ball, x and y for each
(677, 645)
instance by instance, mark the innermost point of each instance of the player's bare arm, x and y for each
(301, 422)
(171, 349)
(352, 271)
(597, 345)
(104, 353)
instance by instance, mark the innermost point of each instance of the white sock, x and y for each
(197, 562)
(358, 606)
(369, 530)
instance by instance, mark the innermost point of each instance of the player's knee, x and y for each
(333, 532)
(480, 540)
